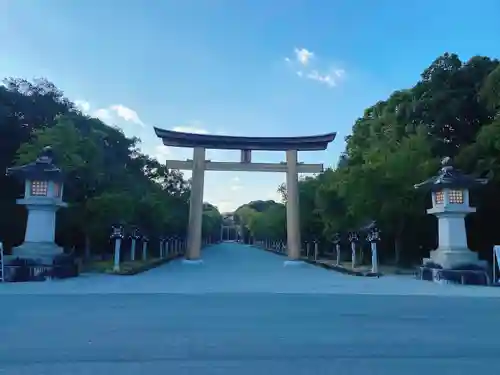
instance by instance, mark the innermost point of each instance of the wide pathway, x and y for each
(242, 312)
(234, 268)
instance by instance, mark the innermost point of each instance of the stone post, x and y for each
(353, 254)
(116, 262)
(353, 238)
(373, 237)
(2, 269)
(145, 241)
(337, 250)
(134, 236)
(117, 235)
(336, 242)
(132, 249)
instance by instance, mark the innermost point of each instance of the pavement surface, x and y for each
(242, 312)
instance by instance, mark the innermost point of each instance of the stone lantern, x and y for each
(163, 244)
(336, 241)
(117, 234)
(42, 198)
(145, 240)
(373, 237)
(134, 236)
(353, 238)
(450, 204)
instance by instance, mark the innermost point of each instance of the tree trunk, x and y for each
(398, 242)
(398, 247)
(87, 247)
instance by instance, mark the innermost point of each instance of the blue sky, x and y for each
(237, 67)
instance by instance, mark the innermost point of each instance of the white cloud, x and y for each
(127, 114)
(110, 115)
(322, 78)
(103, 114)
(225, 206)
(306, 65)
(161, 152)
(190, 129)
(235, 184)
(303, 56)
(274, 195)
(82, 105)
(330, 79)
(194, 126)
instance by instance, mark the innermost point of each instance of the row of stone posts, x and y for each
(274, 245)
(172, 247)
(372, 236)
(311, 248)
(169, 247)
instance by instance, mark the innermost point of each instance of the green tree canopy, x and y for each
(453, 110)
(107, 180)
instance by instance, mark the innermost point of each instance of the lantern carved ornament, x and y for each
(117, 232)
(136, 234)
(353, 236)
(373, 234)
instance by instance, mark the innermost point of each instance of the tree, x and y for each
(263, 220)
(453, 110)
(107, 180)
(211, 221)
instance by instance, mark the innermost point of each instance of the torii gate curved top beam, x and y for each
(225, 142)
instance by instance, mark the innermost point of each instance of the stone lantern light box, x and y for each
(117, 231)
(43, 191)
(450, 190)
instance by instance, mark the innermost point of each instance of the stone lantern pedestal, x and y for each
(42, 198)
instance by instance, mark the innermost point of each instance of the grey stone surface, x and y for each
(242, 312)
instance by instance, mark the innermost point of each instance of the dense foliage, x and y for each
(107, 179)
(453, 110)
(262, 220)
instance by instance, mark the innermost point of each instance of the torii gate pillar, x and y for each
(196, 207)
(292, 206)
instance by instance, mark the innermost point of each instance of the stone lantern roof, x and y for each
(450, 177)
(43, 168)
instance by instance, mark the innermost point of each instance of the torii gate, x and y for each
(198, 165)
